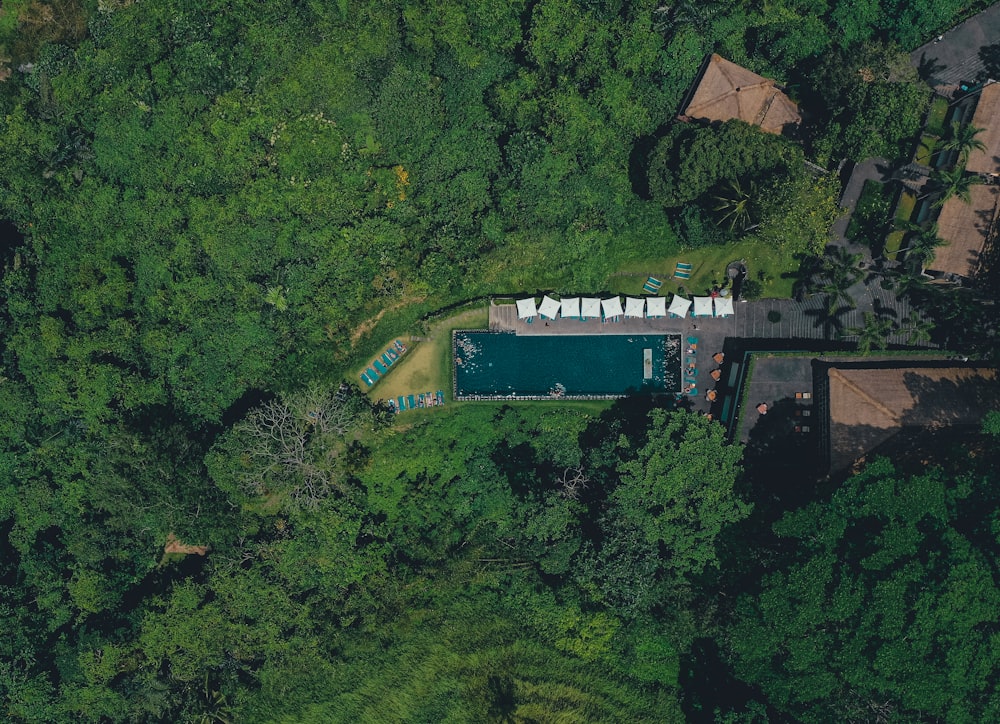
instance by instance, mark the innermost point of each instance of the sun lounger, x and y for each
(373, 374)
(393, 354)
(399, 346)
(652, 285)
(411, 403)
(377, 364)
(420, 400)
(683, 270)
(385, 358)
(440, 397)
(400, 403)
(368, 380)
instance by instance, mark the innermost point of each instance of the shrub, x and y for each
(751, 290)
(774, 316)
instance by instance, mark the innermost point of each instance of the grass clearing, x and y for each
(709, 264)
(426, 366)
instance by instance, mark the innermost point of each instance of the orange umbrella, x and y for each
(712, 395)
(718, 357)
(716, 375)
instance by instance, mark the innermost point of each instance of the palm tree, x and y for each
(963, 140)
(920, 246)
(736, 205)
(953, 183)
(873, 333)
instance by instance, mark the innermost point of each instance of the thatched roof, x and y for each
(868, 406)
(726, 91)
(987, 117)
(966, 227)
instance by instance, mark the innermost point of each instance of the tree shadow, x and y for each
(829, 319)
(927, 68)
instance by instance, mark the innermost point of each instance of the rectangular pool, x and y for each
(501, 364)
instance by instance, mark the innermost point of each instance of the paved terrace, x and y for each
(955, 58)
(799, 321)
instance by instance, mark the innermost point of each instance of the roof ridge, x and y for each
(834, 372)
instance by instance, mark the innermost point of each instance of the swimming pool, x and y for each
(501, 364)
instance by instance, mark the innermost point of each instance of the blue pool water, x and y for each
(497, 363)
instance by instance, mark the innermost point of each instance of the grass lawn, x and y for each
(925, 150)
(710, 269)
(893, 243)
(426, 366)
(904, 209)
(936, 116)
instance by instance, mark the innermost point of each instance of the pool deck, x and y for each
(710, 331)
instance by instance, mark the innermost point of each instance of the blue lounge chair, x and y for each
(373, 374)
(393, 354)
(420, 400)
(683, 270)
(410, 402)
(400, 347)
(385, 358)
(400, 403)
(652, 285)
(380, 367)
(440, 396)
(367, 380)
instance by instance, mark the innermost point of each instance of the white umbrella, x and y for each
(723, 306)
(571, 307)
(526, 308)
(635, 307)
(679, 306)
(590, 307)
(702, 307)
(657, 307)
(612, 307)
(549, 308)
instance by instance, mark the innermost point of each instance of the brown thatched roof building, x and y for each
(987, 117)
(967, 227)
(725, 91)
(864, 407)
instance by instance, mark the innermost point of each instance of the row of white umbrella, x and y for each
(637, 308)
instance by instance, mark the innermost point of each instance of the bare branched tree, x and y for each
(293, 442)
(572, 482)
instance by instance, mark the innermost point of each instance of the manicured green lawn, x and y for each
(925, 150)
(936, 116)
(710, 269)
(426, 366)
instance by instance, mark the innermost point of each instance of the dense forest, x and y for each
(217, 208)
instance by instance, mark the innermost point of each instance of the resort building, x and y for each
(725, 91)
(968, 228)
(862, 406)
(987, 117)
